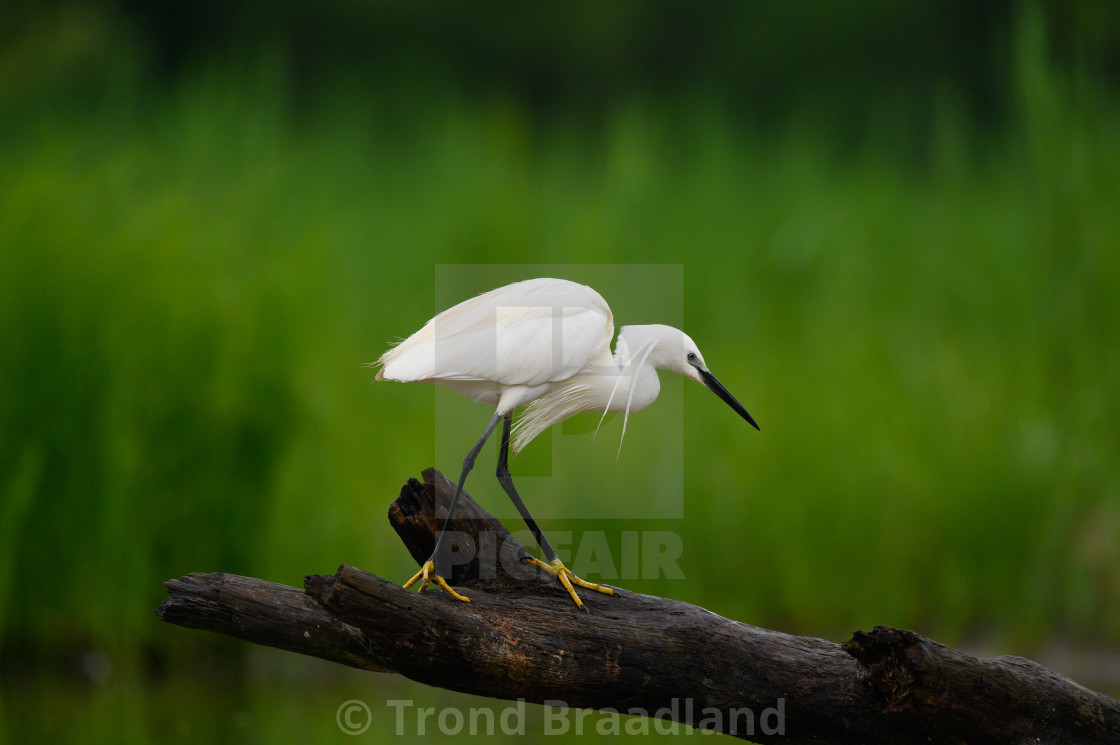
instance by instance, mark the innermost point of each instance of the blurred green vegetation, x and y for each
(200, 251)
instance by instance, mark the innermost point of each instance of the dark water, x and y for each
(280, 698)
(276, 697)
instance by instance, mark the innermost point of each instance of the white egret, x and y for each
(543, 344)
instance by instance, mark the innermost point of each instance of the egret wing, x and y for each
(526, 333)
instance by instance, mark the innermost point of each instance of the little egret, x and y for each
(543, 344)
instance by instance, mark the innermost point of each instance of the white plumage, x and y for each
(524, 334)
(543, 344)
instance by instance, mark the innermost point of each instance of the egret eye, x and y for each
(691, 357)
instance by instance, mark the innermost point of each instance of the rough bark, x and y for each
(520, 637)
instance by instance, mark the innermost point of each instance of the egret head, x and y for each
(674, 350)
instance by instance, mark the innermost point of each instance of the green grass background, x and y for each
(926, 329)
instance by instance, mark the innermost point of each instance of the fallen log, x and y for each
(521, 638)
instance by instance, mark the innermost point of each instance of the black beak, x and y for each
(718, 389)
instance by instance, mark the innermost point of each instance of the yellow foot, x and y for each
(568, 579)
(428, 574)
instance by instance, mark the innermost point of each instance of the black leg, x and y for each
(552, 563)
(506, 480)
(429, 573)
(468, 464)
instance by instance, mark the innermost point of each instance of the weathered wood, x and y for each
(265, 613)
(941, 690)
(521, 637)
(478, 546)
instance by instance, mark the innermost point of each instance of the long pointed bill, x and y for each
(718, 389)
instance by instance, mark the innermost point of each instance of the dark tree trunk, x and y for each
(521, 637)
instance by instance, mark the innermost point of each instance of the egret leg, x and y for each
(428, 572)
(554, 565)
